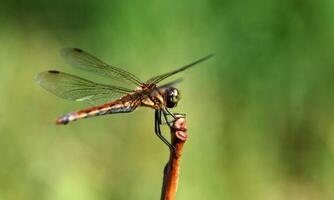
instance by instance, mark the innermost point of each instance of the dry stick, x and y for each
(171, 171)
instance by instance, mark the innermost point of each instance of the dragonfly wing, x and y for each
(74, 88)
(161, 77)
(85, 61)
(102, 98)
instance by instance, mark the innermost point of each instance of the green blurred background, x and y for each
(260, 113)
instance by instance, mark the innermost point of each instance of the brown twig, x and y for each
(171, 171)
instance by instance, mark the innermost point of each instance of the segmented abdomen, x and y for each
(109, 108)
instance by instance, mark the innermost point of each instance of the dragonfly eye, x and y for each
(173, 97)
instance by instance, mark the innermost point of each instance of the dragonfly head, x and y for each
(173, 97)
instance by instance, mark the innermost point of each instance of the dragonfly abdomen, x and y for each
(110, 108)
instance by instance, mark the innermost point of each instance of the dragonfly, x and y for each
(111, 99)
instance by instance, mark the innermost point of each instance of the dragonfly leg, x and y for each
(168, 112)
(166, 118)
(158, 130)
(183, 115)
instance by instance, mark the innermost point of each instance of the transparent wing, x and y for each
(74, 88)
(161, 77)
(85, 61)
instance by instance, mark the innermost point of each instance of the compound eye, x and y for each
(173, 98)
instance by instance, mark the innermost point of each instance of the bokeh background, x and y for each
(260, 113)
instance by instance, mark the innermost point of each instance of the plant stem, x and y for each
(171, 171)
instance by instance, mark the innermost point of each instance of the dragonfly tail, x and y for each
(110, 108)
(67, 118)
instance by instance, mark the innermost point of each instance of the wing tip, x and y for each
(53, 71)
(38, 77)
(66, 50)
(208, 56)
